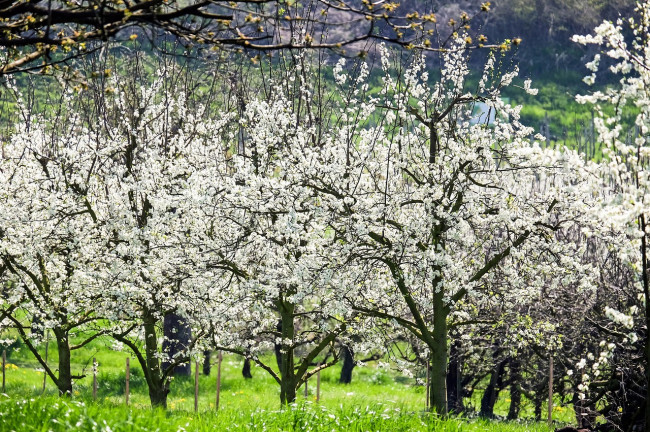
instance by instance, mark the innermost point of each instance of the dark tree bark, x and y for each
(178, 335)
(64, 381)
(538, 400)
(278, 348)
(581, 420)
(515, 389)
(32, 29)
(246, 370)
(348, 365)
(288, 376)
(454, 396)
(206, 362)
(491, 393)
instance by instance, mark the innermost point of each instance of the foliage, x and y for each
(626, 172)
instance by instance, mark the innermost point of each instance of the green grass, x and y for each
(370, 384)
(377, 399)
(56, 414)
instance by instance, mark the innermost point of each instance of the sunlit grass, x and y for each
(55, 414)
(377, 399)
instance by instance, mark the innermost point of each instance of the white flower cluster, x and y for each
(280, 229)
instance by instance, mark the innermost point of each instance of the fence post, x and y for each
(550, 389)
(94, 379)
(318, 384)
(196, 386)
(128, 373)
(426, 401)
(219, 359)
(4, 364)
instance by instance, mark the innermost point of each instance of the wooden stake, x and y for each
(318, 385)
(219, 358)
(128, 373)
(94, 379)
(4, 364)
(196, 386)
(550, 389)
(426, 401)
(47, 345)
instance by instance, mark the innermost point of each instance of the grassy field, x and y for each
(54, 414)
(377, 399)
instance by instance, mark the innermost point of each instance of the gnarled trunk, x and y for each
(491, 393)
(156, 382)
(207, 354)
(64, 380)
(515, 389)
(538, 399)
(246, 370)
(348, 365)
(288, 378)
(178, 336)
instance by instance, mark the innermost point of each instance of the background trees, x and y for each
(627, 161)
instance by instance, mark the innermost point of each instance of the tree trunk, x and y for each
(538, 399)
(287, 370)
(491, 393)
(454, 398)
(278, 348)
(157, 384)
(158, 395)
(438, 378)
(178, 336)
(488, 399)
(348, 365)
(206, 362)
(515, 389)
(64, 380)
(246, 370)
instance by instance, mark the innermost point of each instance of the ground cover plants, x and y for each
(62, 415)
(377, 399)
